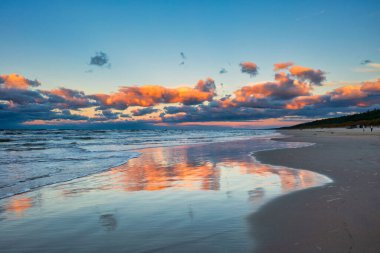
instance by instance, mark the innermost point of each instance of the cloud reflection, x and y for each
(108, 221)
(201, 168)
(18, 205)
(224, 167)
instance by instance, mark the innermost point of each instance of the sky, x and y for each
(183, 63)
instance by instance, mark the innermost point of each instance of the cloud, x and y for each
(285, 96)
(150, 95)
(183, 57)
(105, 115)
(371, 86)
(282, 65)
(370, 67)
(22, 113)
(16, 96)
(207, 85)
(284, 87)
(249, 68)
(347, 93)
(22, 103)
(17, 81)
(180, 109)
(212, 113)
(100, 59)
(68, 98)
(223, 71)
(365, 62)
(143, 111)
(289, 94)
(374, 65)
(314, 76)
(302, 101)
(365, 95)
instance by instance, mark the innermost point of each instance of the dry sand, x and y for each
(343, 216)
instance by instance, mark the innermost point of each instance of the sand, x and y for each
(343, 216)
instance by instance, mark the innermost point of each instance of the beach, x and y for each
(342, 216)
(189, 198)
(302, 191)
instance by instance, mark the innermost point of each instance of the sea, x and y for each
(30, 159)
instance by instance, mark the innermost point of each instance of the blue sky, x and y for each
(52, 41)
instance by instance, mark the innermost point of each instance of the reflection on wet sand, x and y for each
(19, 205)
(150, 177)
(290, 179)
(187, 168)
(174, 199)
(196, 169)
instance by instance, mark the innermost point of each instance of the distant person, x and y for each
(371, 129)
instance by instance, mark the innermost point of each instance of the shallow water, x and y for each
(33, 158)
(169, 199)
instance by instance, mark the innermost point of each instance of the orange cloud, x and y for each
(150, 95)
(282, 88)
(347, 92)
(350, 95)
(282, 65)
(71, 97)
(302, 101)
(314, 76)
(371, 86)
(249, 68)
(15, 81)
(291, 90)
(298, 70)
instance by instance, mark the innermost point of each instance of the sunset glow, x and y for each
(197, 81)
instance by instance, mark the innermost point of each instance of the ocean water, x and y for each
(34, 158)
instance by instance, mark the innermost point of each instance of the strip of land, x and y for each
(343, 216)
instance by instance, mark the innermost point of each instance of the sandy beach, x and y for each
(193, 198)
(342, 216)
(213, 197)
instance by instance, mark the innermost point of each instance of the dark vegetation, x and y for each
(366, 118)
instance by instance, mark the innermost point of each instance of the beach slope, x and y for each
(343, 216)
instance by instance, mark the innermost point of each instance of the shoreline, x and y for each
(336, 217)
(134, 153)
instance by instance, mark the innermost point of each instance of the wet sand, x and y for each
(343, 216)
